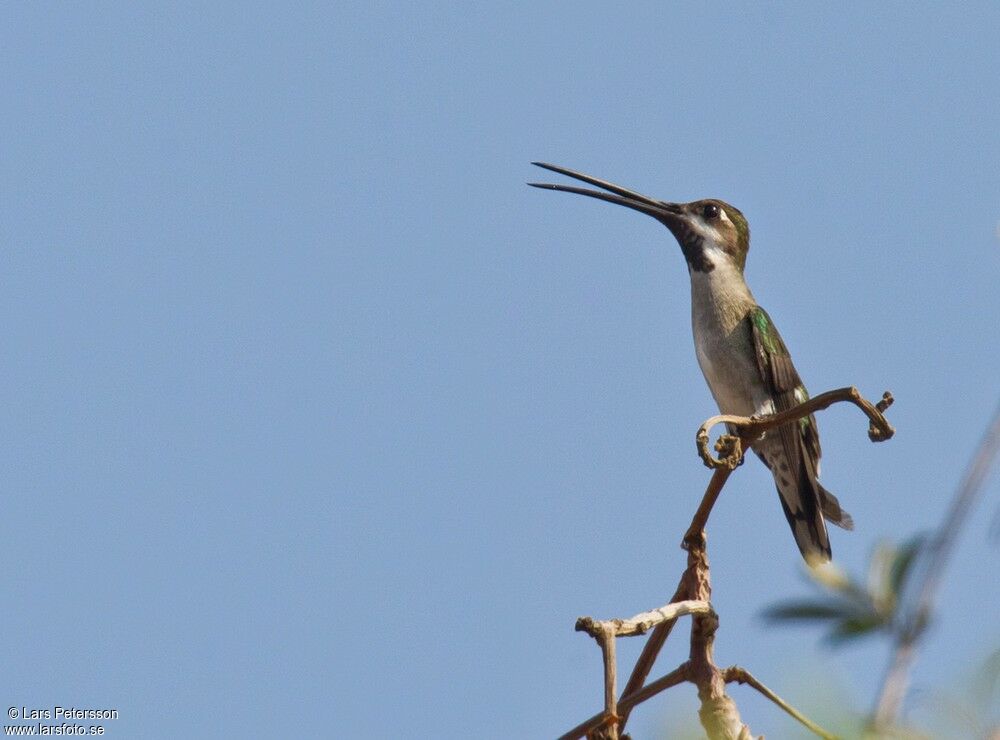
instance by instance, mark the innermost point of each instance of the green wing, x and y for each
(781, 377)
(785, 450)
(799, 442)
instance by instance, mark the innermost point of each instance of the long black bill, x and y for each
(669, 214)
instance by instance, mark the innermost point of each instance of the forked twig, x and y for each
(719, 715)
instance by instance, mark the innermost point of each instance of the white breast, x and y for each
(720, 300)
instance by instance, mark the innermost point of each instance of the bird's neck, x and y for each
(720, 298)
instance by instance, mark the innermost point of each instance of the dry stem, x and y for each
(641, 623)
(718, 713)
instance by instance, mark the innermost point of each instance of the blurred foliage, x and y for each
(850, 608)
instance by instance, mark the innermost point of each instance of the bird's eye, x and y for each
(710, 211)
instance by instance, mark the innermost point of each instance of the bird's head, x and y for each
(708, 231)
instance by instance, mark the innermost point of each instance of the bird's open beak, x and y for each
(670, 215)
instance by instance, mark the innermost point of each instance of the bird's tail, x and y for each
(803, 500)
(830, 507)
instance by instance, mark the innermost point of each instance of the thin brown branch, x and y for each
(896, 682)
(695, 534)
(677, 676)
(607, 640)
(751, 427)
(640, 624)
(741, 675)
(685, 589)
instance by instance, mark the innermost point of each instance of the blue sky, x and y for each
(318, 419)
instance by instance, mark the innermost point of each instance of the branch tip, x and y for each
(751, 428)
(735, 674)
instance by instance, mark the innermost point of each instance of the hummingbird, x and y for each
(745, 362)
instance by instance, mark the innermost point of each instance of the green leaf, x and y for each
(879, 568)
(903, 563)
(830, 577)
(789, 611)
(854, 627)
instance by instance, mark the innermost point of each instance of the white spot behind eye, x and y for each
(711, 232)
